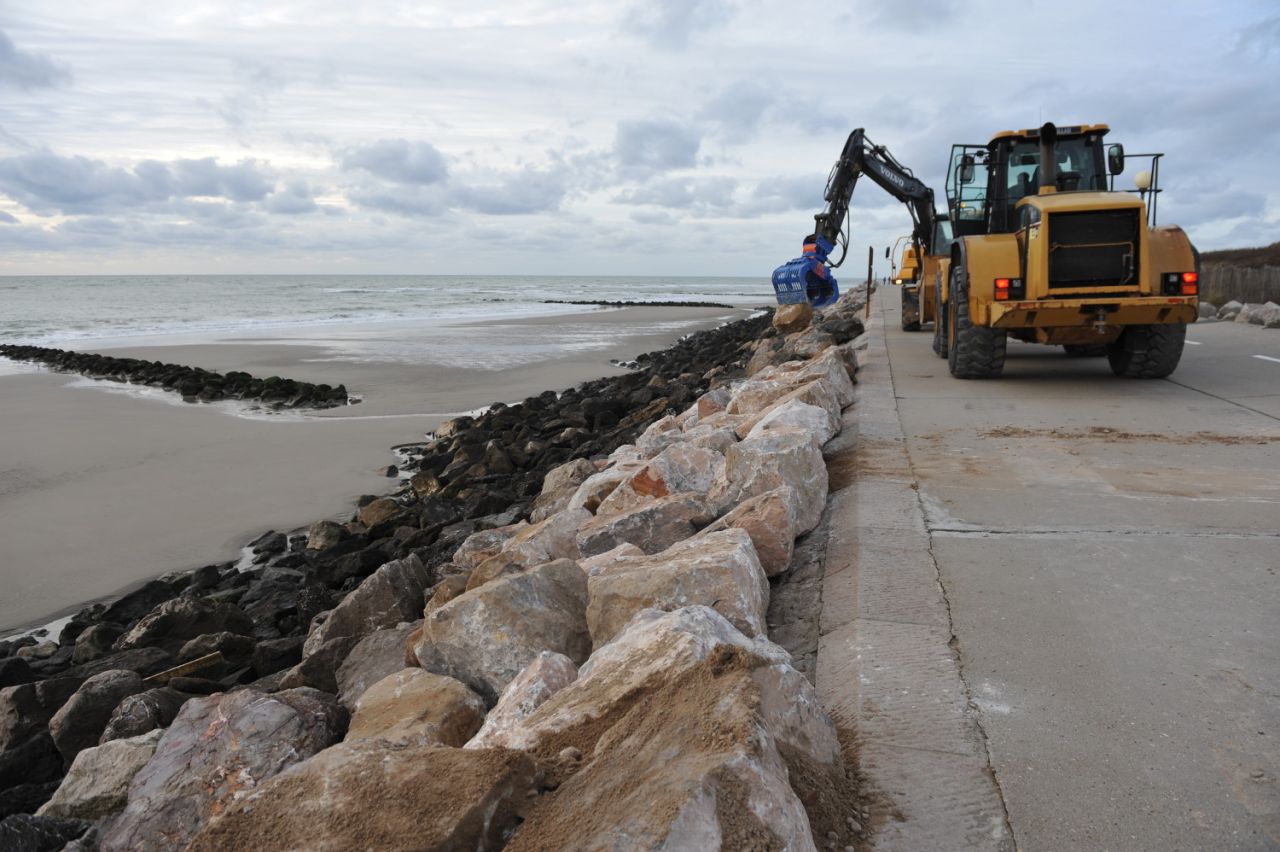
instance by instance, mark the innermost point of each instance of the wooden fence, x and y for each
(1223, 282)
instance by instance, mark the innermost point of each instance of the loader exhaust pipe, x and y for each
(1048, 156)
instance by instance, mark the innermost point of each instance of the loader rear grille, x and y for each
(1094, 248)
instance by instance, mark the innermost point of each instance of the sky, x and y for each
(636, 137)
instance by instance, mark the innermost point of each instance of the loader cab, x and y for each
(985, 183)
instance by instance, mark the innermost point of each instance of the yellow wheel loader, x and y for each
(1040, 247)
(1046, 251)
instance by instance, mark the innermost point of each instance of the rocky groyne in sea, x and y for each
(193, 383)
(551, 635)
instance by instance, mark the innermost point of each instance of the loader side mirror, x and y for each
(1115, 159)
(966, 169)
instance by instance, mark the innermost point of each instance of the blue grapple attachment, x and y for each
(807, 278)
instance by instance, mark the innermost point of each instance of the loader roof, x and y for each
(1065, 130)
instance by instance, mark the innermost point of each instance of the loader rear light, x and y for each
(1007, 288)
(1181, 284)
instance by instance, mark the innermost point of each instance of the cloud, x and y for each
(671, 24)
(678, 193)
(1262, 39)
(908, 15)
(48, 183)
(8, 218)
(399, 161)
(25, 70)
(783, 194)
(293, 198)
(652, 146)
(738, 109)
(529, 190)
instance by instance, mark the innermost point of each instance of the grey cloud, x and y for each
(526, 191)
(1262, 40)
(695, 194)
(783, 194)
(651, 146)
(739, 108)
(908, 15)
(26, 70)
(401, 200)
(47, 183)
(8, 218)
(292, 199)
(671, 24)
(399, 161)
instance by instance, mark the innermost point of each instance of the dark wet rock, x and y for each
(196, 685)
(273, 655)
(96, 642)
(143, 712)
(193, 383)
(270, 542)
(138, 603)
(32, 762)
(233, 646)
(79, 723)
(216, 749)
(15, 670)
(144, 661)
(174, 622)
(26, 709)
(26, 798)
(23, 832)
(319, 669)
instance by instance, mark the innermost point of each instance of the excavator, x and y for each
(1040, 247)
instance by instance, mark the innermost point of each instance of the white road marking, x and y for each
(1267, 358)
(1194, 342)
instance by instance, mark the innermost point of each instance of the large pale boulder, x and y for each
(653, 647)
(770, 520)
(796, 414)
(544, 677)
(596, 489)
(1230, 310)
(548, 540)
(97, 784)
(719, 570)
(481, 545)
(711, 436)
(788, 319)
(217, 749)
(377, 655)
(389, 596)
(416, 706)
(80, 722)
(678, 468)
(771, 460)
(660, 435)
(652, 526)
(371, 795)
(692, 737)
(558, 488)
(712, 402)
(487, 636)
(832, 366)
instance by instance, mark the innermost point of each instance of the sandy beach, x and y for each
(103, 486)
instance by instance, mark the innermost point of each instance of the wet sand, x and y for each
(103, 486)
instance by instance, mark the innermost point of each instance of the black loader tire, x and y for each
(910, 310)
(1147, 351)
(1085, 350)
(939, 321)
(975, 352)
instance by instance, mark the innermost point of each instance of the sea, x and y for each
(72, 311)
